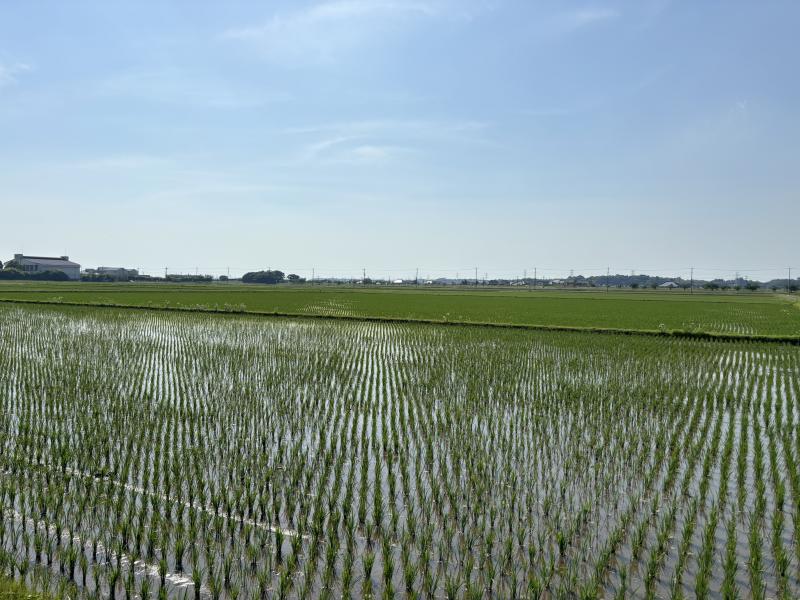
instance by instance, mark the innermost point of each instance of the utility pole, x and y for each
(789, 280)
(525, 277)
(363, 275)
(312, 275)
(534, 277)
(691, 281)
(165, 272)
(476, 276)
(608, 276)
(416, 277)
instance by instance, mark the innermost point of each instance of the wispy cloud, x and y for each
(408, 128)
(347, 9)
(571, 21)
(581, 18)
(323, 33)
(373, 141)
(353, 151)
(9, 72)
(652, 11)
(343, 148)
(320, 148)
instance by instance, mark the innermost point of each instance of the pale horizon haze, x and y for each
(392, 135)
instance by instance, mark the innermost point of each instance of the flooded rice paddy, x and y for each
(194, 456)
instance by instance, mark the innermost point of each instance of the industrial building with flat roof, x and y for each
(38, 264)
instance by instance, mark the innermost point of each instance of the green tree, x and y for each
(269, 276)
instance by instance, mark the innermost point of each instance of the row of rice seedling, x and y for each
(728, 314)
(178, 455)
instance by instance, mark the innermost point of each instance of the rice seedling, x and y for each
(222, 457)
(697, 313)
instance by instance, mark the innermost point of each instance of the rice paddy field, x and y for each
(743, 314)
(177, 455)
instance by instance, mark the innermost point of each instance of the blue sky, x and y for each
(393, 134)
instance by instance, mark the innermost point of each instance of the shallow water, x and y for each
(475, 460)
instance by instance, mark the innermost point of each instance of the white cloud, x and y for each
(324, 33)
(9, 72)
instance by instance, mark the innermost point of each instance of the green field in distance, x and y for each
(722, 313)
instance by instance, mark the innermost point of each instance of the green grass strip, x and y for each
(11, 590)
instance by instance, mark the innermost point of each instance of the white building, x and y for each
(38, 264)
(119, 273)
(669, 285)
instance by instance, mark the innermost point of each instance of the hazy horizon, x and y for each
(389, 135)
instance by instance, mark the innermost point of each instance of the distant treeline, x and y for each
(271, 276)
(595, 281)
(648, 281)
(632, 282)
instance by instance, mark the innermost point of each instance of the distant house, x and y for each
(397, 281)
(39, 264)
(118, 273)
(669, 285)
